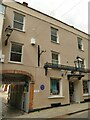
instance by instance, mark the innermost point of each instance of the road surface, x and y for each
(84, 114)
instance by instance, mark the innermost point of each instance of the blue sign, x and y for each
(42, 87)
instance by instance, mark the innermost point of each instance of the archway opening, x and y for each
(17, 86)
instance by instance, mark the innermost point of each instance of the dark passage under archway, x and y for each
(18, 92)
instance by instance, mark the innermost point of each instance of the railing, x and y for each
(64, 67)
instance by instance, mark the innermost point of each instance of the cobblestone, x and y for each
(8, 111)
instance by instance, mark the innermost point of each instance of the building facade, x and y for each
(46, 60)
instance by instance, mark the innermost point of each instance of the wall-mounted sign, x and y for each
(42, 87)
(36, 91)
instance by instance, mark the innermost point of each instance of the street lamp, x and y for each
(8, 31)
(76, 64)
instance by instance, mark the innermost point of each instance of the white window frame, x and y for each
(23, 29)
(53, 52)
(88, 82)
(21, 54)
(57, 36)
(81, 40)
(2, 9)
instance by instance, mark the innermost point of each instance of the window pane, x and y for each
(54, 38)
(80, 45)
(18, 25)
(54, 88)
(55, 56)
(79, 41)
(55, 61)
(53, 31)
(16, 52)
(85, 87)
(54, 34)
(2, 9)
(16, 48)
(18, 17)
(15, 57)
(58, 87)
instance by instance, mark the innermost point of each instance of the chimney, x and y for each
(25, 4)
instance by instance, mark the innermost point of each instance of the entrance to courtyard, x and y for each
(18, 87)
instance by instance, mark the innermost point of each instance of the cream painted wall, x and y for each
(38, 26)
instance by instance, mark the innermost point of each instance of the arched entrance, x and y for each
(21, 88)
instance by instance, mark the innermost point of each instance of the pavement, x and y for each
(57, 112)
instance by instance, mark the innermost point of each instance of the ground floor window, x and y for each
(86, 87)
(54, 86)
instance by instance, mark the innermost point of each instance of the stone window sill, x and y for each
(86, 95)
(13, 62)
(55, 97)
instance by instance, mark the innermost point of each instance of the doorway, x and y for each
(17, 88)
(71, 92)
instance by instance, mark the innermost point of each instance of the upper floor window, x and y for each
(86, 87)
(18, 22)
(16, 52)
(54, 35)
(2, 9)
(54, 86)
(55, 58)
(80, 43)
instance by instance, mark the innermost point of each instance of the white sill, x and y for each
(19, 30)
(13, 62)
(81, 50)
(55, 96)
(55, 42)
(86, 95)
